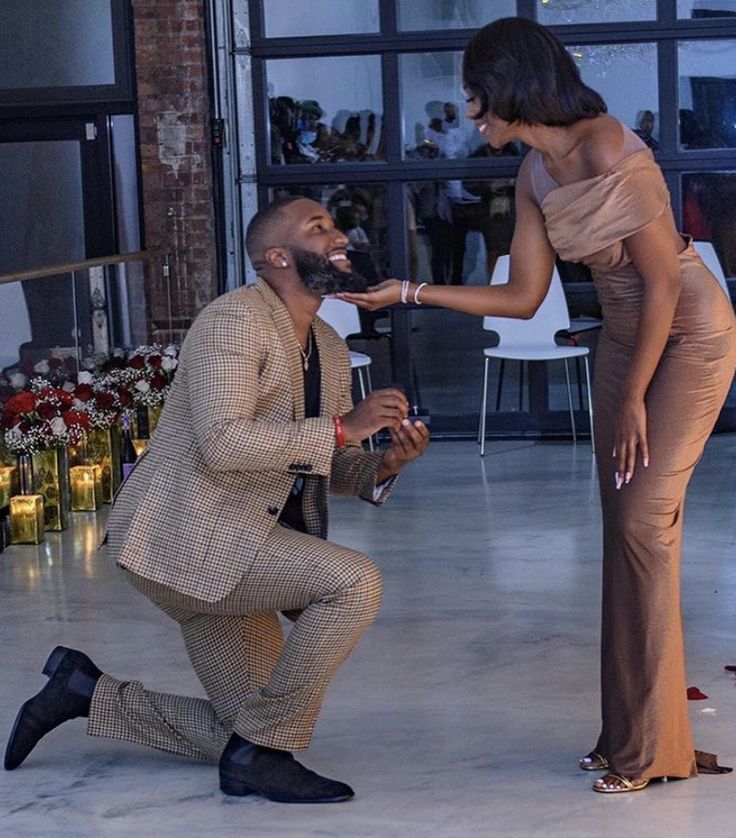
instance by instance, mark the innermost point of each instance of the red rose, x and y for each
(46, 410)
(137, 362)
(104, 401)
(21, 403)
(78, 418)
(66, 399)
(83, 392)
(27, 368)
(155, 361)
(124, 397)
(158, 382)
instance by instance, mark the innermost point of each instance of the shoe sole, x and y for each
(235, 788)
(53, 662)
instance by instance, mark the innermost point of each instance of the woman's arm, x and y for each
(653, 251)
(532, 260)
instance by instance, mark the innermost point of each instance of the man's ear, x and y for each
(277, 257)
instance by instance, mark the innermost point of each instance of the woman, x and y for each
(590, 191)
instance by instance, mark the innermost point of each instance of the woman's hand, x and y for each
(630, 433)
(377, 296)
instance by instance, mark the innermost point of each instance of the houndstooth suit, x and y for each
(196, 529)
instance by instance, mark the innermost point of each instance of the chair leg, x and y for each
(521, 386)
(590, 404)
(569, 401)
(580, 383)
(501, 370)
(363, 394)
(482, 417)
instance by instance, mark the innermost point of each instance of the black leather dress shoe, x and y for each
(67, 695)
(246, 768)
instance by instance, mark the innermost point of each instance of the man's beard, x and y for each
(322, 276)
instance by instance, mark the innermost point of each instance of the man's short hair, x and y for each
(256, 234)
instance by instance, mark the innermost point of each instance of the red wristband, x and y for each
(339, 432)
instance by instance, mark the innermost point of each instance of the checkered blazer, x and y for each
(230, 441)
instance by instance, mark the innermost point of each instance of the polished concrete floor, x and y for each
(464, 708)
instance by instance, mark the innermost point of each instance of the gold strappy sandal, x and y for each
(593, 762)
(616, 784)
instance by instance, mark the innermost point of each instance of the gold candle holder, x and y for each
(26, 519)
(99, 486)
(140, 446)
(6, 484)
(85, 492)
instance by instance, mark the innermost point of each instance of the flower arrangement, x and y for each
(146, 376)
(50, 404)
(41, 418)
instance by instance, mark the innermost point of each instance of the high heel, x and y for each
(593, 762)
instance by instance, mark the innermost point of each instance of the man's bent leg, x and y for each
(338, 592)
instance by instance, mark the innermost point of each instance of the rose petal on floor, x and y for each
(694, 694)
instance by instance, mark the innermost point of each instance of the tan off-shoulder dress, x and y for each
(646, 729)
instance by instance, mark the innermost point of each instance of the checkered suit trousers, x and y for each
(266, 689)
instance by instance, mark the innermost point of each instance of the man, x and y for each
(222, 524)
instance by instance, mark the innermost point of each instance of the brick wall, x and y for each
(175, 153)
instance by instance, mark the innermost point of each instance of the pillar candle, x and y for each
(82, 479)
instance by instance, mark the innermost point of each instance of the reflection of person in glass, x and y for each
(645, 128)
(590, 192)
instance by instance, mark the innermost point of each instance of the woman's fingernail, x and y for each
(646, 462)
(628, 477)
(619, 481)
(614, 453)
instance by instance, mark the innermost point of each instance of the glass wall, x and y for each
(373, 95)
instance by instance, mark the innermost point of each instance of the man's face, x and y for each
(318, 250)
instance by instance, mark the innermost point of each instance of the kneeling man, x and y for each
(223, 525)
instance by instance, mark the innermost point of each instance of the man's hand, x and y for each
(408, 443)
(379, 409)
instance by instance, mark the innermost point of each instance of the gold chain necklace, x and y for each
(308, 354)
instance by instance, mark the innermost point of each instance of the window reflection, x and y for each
(433, 108)
(452, 14)
(325, 110)
(594, 11)
(707, 94)
(709, 213)
(700, 9)
(457, 229)
(626, 77)
(319, 17)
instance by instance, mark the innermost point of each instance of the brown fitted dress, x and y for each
(646, 729)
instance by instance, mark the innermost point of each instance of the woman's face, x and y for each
(494, 130)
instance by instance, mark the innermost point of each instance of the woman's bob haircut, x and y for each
(520, 72)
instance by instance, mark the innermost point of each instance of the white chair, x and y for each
(707, 253)
(345, 320)
(533, 340)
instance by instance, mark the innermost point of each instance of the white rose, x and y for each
(18, 380)
(85, 378)
(80, 405)
(142, 386)
(14, 434)
(58, 426)
(88, 363)
(168, 363)
(68, 386)
(42, 367)
(170, 350)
